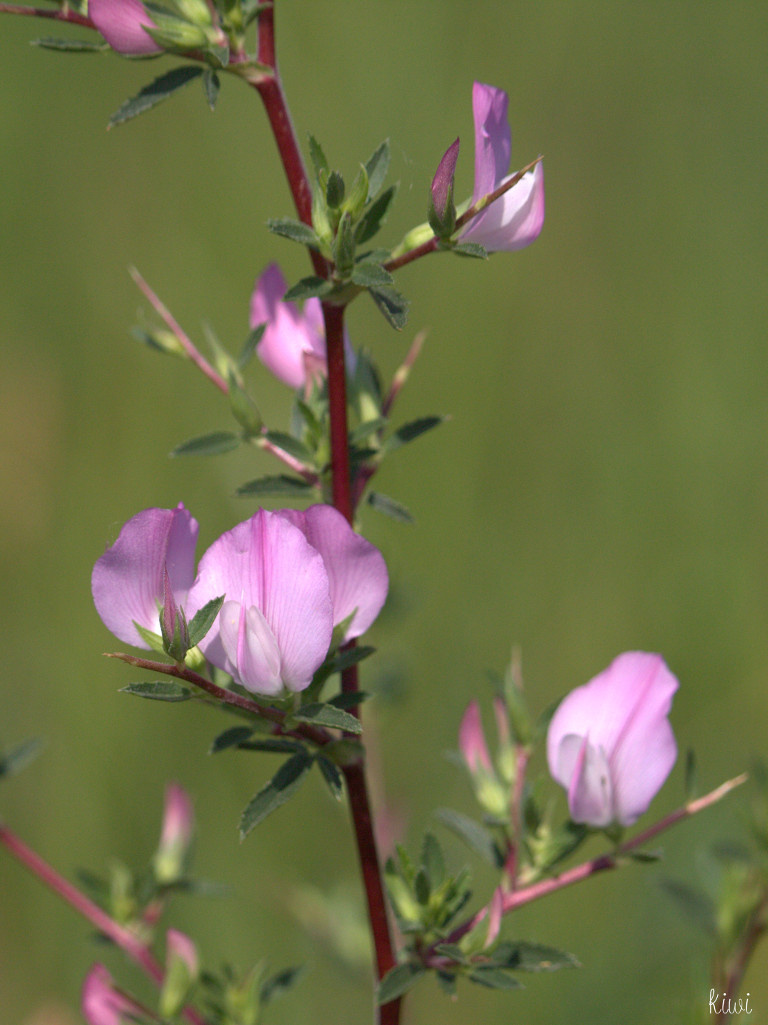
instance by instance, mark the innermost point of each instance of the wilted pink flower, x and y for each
(182, 947)
(128, 580)
(102, 1004)
(288, 579)
(516, 218)
(176, 837)
(293, 344)
(610, 743)
(122, 22)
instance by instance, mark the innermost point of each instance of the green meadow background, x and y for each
(602, 484)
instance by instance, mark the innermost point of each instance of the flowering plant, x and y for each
(270, 627)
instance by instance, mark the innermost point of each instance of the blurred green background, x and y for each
(602, 484)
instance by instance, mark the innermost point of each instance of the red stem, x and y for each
(119, 935)
(40, 12)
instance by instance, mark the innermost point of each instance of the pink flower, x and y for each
(102, 1004)
(610, 743)
(516, 218)
(288, 578)
(293, 344)
(122, 23)
(128, 580)
(472, 743)
(176, 837)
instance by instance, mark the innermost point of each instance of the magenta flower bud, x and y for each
(516, 218)
(182, 967)
(293, 344)
(288, 579)
(170, 859)
(122, 24)
(442, 187)
(472, 745)
(610, 743)
(102, 1004)
(128, 580)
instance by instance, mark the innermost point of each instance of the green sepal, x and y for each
(376, 168)
(322, 714)
(389, 507)
(250, 345)
(281, 484)
(471, 249)
(294, 230)
(159, 690)
(334, 190)
(344, 247)
(410, 431)
(70, 45)
(203, 620)
(433, 861)
(308, 288)
(150, 638)
(398, 981)
(369, 274)
(163, 87)
(494, 978)
(280, 788)
(357, 196)
(392, 304)
(475, 836)
(211, 87)
(214, 444)
(245, 410)
(19, 757)
(376, 214)
(332, 776)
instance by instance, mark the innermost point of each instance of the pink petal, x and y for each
(251, 648)
(178, 945)
(493, 142)
(101, 1004)
(356, 569)
(472, 743)
(127, 581)
(290, 334)
(120, 22)
(178, 818)
(267, 562)
(515, 219)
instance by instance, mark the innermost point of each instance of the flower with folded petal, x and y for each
(155, 548)
(610, 743)
(293, 343)
(122, 24)
(288, 579)
(514, 219)
(102, 1004)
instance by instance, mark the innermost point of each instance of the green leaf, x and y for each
(308, 288)
(334, 190)
(369, 274)
(531, 957)
(213, 444)
(211, 86)
(282, 484)
(249, 346)
(375, 215)
(695, 905)
(452, 951)
(159, 690)
(163, 87)
(397, 981)
(471, 249)
(376, 167)
(494, 978)
(279, 983)
(389, 506)
(203, 619)
(280, 788)
(350, 699)
(317, 156)
(475, 836)
(392, 305)
(320, 714)
(410, 431)
(70, 45)
(152, 640)
(433, 861)
(20, 757)
(296, 231)
(273, 745)
(232, 737)
(365, 430)
(289, 444)
(332, 776)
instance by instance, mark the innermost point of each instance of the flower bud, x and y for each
(181, 970)
(170, 861)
